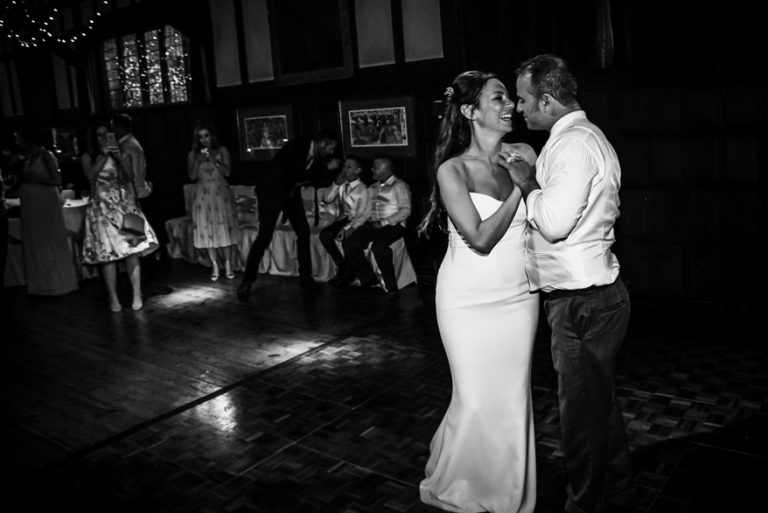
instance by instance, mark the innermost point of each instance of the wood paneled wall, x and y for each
(694, 217)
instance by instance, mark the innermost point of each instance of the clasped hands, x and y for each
(515, 164)
(523, 174)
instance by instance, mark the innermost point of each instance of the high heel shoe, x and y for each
(228, 272)
(215, 272)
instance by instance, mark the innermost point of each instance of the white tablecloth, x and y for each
(74, 222)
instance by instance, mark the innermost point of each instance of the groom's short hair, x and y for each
(551, 74)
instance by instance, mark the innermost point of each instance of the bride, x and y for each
(482, 457)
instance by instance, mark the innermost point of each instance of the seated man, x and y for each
(389, 206)
(351, 196)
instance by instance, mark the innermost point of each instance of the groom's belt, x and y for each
(561, 293)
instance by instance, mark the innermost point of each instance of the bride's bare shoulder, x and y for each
(454, 165)
(453, 169)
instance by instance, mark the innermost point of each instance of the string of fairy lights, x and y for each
(27, 29)
(20, 26)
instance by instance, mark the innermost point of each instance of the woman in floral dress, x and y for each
(112, 196)
(213, 208)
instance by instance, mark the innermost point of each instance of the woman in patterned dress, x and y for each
(213, 208)
(112, 196)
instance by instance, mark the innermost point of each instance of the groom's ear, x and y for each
(547, 102)
(468, 111)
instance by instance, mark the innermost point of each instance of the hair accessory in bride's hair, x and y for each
(448, 93)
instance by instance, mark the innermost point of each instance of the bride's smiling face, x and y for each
(494, 107)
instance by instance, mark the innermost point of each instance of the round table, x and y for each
(74, 222)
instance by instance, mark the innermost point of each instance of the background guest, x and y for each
(12, 163)
(48, 260)
(132, 155)
(213, 209)
(3, 230)
(350, 194)
(389, 207)
(302, 161)
(111, 198)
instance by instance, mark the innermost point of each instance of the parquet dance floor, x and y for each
(325, 401)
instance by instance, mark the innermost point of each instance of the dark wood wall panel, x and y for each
(702, 107)
(741, 106)
(667, 271)
(666, 108)
(742, 157)
(702, 159)
(666, 159)
(694, 217)
(703, 217)
(704, 274)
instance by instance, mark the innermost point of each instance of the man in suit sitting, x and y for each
(301, 161)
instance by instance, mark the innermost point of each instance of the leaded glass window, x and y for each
(147, 69)
(175, 58)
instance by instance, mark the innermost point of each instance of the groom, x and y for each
(572, 199)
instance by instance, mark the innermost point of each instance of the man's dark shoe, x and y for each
(372, 287)
(244, 290)
(341, 280)
(392, 293)
(308, 282)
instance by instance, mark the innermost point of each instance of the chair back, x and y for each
(246, 205)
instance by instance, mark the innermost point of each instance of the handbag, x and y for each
(133, 224)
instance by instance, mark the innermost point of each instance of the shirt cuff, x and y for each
(533, 198)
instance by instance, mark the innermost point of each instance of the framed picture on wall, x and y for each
(378, 126)
(263, 130)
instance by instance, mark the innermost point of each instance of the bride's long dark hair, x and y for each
(455, 136)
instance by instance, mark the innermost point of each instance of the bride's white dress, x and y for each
(483, 454)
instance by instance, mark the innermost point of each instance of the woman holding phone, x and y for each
(213, 208)
(112, 196)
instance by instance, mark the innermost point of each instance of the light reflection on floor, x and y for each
(219, 412)
(183, 296)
